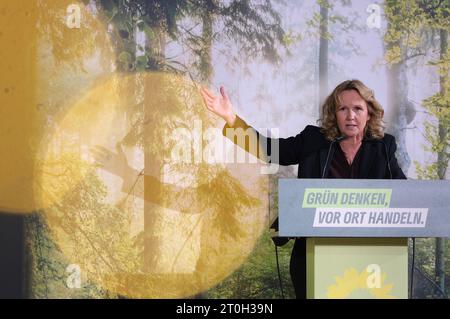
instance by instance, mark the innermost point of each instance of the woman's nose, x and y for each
(350, 115)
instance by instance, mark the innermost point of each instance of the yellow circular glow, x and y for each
(133, 196)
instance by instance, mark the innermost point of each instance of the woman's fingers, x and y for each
(208, 101)
(215, 103)
(208, 92)
(205, 95)
(223, 93)
(100, 148)
(99, 152)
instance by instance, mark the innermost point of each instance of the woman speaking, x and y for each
(349, 143)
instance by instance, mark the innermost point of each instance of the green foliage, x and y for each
(256, 25)
(409, 22)
(291, 37)
(434, 17)
(125, 57)
(425, 255)
(339, 29)
(66, 45)
(48, 265)
(82, 211)
(84, 226)
(257, 278)
(403, 37)
(437, 131)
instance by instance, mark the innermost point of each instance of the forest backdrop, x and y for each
(278, 60)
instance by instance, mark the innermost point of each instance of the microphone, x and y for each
(337, 139)
(387, 159)
(343, 137)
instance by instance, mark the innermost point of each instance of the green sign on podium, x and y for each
(357, 231)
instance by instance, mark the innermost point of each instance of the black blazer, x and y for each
(310, 149)
(313, 152)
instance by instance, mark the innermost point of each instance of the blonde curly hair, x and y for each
(328, 122)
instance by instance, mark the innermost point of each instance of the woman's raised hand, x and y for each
(115, 163)
(219, 105)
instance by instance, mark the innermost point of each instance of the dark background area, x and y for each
(12, 256)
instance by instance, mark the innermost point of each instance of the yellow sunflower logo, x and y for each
(358, 285)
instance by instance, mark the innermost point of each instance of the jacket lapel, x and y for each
(368, 157)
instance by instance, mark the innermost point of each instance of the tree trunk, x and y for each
(323, 53)
(206, 69)
(397, 93)
(153, 160)
(442, 163)
(442, 157)
(440, 263)
(397, 99)
(206, 75)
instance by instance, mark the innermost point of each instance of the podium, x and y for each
(357, 231)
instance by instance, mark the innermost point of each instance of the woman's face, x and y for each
(352, 114)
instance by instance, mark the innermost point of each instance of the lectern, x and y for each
(357, 231)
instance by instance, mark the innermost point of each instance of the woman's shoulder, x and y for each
(312, 129)
(387, 141)
(313, 132)
(313, 138)
(388, 138)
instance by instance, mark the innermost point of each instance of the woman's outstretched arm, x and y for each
(164, 194)
(283, 151)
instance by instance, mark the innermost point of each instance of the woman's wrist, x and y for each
(230, 119)
(129, 176)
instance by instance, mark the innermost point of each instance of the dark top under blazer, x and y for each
(310, 149)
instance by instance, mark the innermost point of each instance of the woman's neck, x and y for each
(350, 147)
(351, 142)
